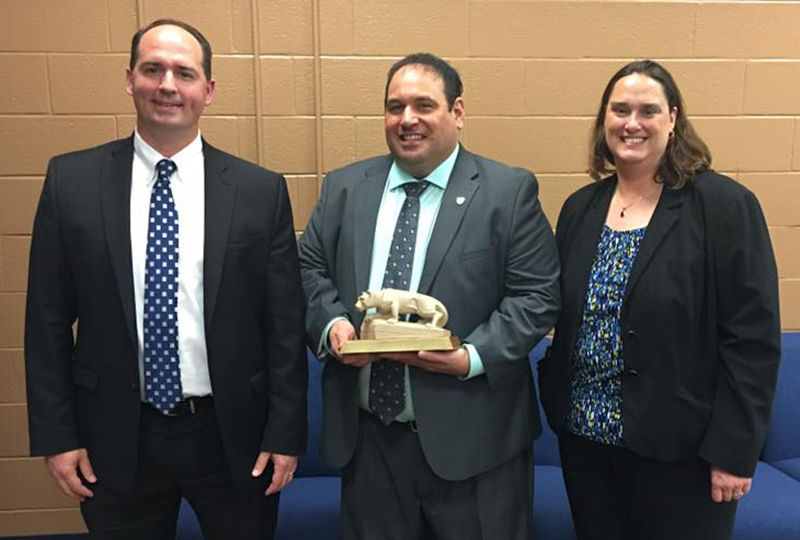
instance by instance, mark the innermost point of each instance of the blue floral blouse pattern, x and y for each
(596, 393)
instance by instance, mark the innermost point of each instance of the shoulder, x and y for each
(95, 154)
(241, 171)
(496, 170)
(715, 186)
(378, 164)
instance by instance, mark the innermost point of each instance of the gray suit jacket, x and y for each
(491, 260)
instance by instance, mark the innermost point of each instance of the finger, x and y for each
(746, 488)
(716, 494)
(77, 487)
(280, 477)
(66, 489)
(86, 469)
(261, 463)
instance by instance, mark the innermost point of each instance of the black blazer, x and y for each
(699, 322)
(491, 260)
(85, 392)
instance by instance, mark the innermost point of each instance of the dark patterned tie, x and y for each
(162, 374)
(387, 383)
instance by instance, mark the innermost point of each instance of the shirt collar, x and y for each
(439, 177)
(150, 156)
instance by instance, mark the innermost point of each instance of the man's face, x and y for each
(168, 86)
(420, 129)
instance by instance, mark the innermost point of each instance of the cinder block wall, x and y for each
(300, 87)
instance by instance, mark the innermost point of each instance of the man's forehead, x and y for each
(421, 71)
(169, 34)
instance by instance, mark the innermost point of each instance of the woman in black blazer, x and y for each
(661, 374)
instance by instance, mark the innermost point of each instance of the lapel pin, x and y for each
(460, 200)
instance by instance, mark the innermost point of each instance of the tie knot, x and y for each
(415, 189)
(165, 168)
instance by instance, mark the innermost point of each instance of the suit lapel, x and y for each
(220, 196)
(664, 217)
(368, 194)
(115, 186)
(464, 181)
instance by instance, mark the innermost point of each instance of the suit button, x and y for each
(135, 386)
(632, 372)
(631, 333)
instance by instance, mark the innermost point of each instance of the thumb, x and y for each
(86, 467)
(261, 463)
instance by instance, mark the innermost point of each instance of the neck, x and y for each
(167, 143)
(636, 183)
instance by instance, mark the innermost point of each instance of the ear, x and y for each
(210, 86)
(460, 112)
(128, 81)
(673, 116)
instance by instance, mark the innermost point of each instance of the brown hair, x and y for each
(686, 153)
(205, 46)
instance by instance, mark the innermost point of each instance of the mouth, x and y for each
(411, 137)
(166, 104)
(631, 141)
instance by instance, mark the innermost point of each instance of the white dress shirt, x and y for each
(188, 191)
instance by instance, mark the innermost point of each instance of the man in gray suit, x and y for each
(432, 444)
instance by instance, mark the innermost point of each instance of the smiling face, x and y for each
(638, 122)
(421, 130)
(168, 86)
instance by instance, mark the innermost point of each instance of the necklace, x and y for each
(638, 199)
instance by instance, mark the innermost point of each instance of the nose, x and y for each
(167, 83)
(409, 118)
(633, 122)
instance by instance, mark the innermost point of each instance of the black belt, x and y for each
(410, 425)
(188, 406)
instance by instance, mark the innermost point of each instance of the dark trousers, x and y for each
(614, 493)
(389, 492)
(180, 457)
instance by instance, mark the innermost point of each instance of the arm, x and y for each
(323, 302)
(50, 313)
(285, 432)
(531, 293)
(748, 337)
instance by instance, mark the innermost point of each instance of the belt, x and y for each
(410, 425)
(189, 406)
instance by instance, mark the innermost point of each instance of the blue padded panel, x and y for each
(771, 511)
(545, 448)
(783, 438)
(551, 516)
(309, 510)
(311, 463)
(789, 466)
(188, 526)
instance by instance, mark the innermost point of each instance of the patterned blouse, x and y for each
(596, 393)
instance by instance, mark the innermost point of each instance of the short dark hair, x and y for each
(686, 153)
(452, 81)
(205, 46)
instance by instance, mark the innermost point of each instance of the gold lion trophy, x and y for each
(383, 331)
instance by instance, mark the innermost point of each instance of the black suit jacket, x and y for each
(85, 392)
(699, 322)
(491, 260)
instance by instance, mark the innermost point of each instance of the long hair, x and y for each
(686, 153)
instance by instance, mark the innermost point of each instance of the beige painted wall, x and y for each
(533, 73)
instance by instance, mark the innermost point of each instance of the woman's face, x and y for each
(638, 122)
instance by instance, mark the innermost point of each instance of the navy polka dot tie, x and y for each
(162, 374)
(387, 396)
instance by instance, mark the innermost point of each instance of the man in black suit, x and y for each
(452, 458)
(177, 263)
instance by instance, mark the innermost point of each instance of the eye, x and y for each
(650, 111)
(187, 74)
(150, 69)
(619, 109)
(394, 108)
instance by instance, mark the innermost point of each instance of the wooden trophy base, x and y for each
(380, 335)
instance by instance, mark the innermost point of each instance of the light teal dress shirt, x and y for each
(391, 203)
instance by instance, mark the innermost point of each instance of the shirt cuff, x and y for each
(475, 363)
(324, 348)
